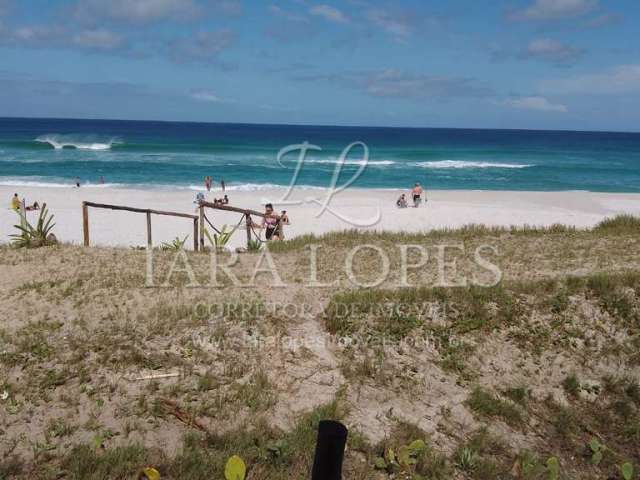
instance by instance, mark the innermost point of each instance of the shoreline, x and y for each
(352, 208)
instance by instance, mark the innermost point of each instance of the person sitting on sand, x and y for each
(15, 202)
(225, 200)
(416, 193)
(33, 207)
(402, 201)
(271, 223)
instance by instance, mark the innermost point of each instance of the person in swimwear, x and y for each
(416, 194)
(15, 202)
(271, 223)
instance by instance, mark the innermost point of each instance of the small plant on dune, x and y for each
(553, 468)
(466, 459)
(235, 469)
(597, 451)
(619, 223)
(571, 385)
(219, 240)
(254, 245)
(404, 460)
(174, 245)
(35, 236)
(626, 470)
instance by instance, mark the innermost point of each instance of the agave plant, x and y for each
(38, 236)
(220, 240)
(175, 245)
(254, 245)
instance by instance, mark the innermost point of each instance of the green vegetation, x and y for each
(487, 404)
(38, 236)
(175, 245)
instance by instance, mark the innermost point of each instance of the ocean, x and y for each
(177, 155)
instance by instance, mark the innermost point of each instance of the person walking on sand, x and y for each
(416, 194)
(271, 223)
(15, 202)
(222, 184)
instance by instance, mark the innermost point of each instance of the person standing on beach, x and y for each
(207, 183)
(222, 184)
(15, 202)
(416, 193)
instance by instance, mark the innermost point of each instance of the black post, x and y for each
(327, 464)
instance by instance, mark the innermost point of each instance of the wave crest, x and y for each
(457, 164)
(59, 142)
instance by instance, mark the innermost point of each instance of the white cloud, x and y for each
(204, 95)
(401, 84)
(99, 39)
(54, 36)
(554, 9)
(552, 50)
(202, 47)
(287, 15)
(398, 25)
(623, 79)
(534, 103)
(138, 11)
(149, 11)
(329, 13)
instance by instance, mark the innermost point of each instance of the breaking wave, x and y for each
(457, 164)
(60, 142)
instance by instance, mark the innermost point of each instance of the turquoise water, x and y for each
(54, 152)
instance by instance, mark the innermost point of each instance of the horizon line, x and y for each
(316, 125)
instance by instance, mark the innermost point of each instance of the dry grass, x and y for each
(494, 379)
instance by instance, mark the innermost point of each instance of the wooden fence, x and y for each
(147, 211)
(247, 213)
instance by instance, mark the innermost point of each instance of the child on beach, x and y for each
(402, 201)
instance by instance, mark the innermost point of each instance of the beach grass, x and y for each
(495, 380)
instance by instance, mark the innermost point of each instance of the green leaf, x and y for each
(379, 463)
(626, 469)
(404, 457)
(595, 445)
(417, 446)
(553, 467)
(235, 469)
(389, 455)
(597, 457)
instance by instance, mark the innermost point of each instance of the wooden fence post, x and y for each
(248, 222)
(201, 232)
(195, 234)
(149, 243)
(85, 223)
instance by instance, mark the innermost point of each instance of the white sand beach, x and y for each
(356, 208)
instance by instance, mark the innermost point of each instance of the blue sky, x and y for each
(550, 64)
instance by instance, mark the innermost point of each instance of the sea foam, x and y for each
(457, 164)
(72, 141)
